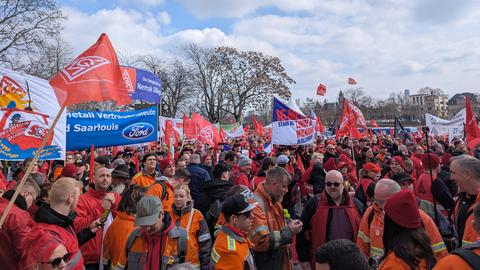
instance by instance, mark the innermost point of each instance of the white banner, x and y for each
(235, 133)
(177, 125)
(453, 128)
(28, 106)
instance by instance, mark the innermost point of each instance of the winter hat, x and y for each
(402, 208)
(446, 159)
(402, 177)
(431, 162)
(282, 159)
(164, 163)
(244, 161)
(117, 162)
(369, 166)
(70, 170)
(399, 160)
(330, 165)
(104, 160)
(121, 171)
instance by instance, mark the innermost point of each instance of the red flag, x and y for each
(351, 81)
(92, 164)
(245, 131)
(319, 126)
(171, 133)
(94, 75)
(321, 90)
(203, 129)
(223, 136)
(188, 128)
(471, 127)
(300, 164)
(352, 119)
(259, 129)
(373, 123)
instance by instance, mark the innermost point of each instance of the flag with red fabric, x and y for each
(471, 127)
(94, 75)
(203, 129)
(352, 119)
(319, 127)
(351, 81)
(321, 90)
(188, 128)
(300, 164)
(245, 131)
(259, 129)
(223, 136)
(171, 134)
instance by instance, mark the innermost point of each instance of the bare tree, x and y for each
(26, 25)
(252, 79)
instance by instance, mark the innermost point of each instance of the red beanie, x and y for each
(402, 208)
(70, 170)
(164, 163)
(330, 165)
(446, 159)
(369, 166)
(399, 160)
(431, 162)
(41, 245)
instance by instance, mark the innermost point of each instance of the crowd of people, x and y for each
(376, 202)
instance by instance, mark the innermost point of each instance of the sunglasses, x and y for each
(330, 148)
(329, 184)
(55, 263)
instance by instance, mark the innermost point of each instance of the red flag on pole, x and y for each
(203, 129)
(352, 119)
(94, 75)
(321, 90)
(188, 128)
(92, 164)
(172, 138)
(259, 129)
(351, 81)
(223, 136)
(471, 127)
(300, 164)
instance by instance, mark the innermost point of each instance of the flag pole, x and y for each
(29, 169)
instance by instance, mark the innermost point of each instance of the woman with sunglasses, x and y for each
(191, 241)
(45, 252)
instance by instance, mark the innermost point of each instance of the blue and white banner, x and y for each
(142, 84)
(291, 127)
(102, 129)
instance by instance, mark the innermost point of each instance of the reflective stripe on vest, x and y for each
(75, 260)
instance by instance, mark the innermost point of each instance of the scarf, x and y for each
(154, 244)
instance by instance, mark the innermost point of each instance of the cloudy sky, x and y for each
(386, 45)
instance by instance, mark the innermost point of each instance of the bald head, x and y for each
(334, 175)
(385, 188)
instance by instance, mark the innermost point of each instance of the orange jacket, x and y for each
(269, 233)
(156, 189)
(454, 262)
(392, 262)
(469, 234)
(198, 242)
(370, 240)
(143, 179)
(116, 238)
(231, 251)
(89, 208)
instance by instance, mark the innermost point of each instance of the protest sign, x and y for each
(291, 127)
(453, 128)
(102, 129)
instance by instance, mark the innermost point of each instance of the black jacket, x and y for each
(216, 190)
(45, 214)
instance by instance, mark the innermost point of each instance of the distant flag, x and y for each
(351, 81)
(351, 120)
(95, 75)
(321, 90)
(399, 131)
(471, 127)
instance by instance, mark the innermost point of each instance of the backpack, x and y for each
(211, 217)
(467, 254)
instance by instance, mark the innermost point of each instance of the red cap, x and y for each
(431, 162)
(330, 165)
(70, 170)
(402, 208)
(164, 163)
(399, 160)
(369, 166)
(341, 164)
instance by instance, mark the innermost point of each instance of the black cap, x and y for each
(104, 160)
(237, 204)
(79, 162)
(402, 177)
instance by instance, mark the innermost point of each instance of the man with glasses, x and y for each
(331, 215)
(330, 153)
(370, 234)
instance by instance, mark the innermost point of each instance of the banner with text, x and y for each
(290, 127)
(102, 129)
(28, 106)
(142, 84)
(453, 128)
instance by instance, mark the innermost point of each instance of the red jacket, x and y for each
(90, 208)
(16, 227)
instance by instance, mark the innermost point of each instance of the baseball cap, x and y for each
(235, 205)
(282, 159)
(148, 210)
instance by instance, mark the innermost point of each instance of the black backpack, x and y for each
(467, 254)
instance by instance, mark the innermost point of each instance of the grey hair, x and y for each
(392, 186)
(468, 163)
(195, 158)
(276, 174)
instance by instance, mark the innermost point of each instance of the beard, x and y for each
(118, 188)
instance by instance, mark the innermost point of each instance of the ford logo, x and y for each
(137, 131)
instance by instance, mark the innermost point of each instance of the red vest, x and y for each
(319, 220)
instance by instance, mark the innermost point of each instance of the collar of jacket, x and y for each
(183, 211)
(234, 232)
(47, 215)
(154, 174)
(97, 194)
(126, 216)
(263, 193)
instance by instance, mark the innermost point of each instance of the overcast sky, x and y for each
(386, 45)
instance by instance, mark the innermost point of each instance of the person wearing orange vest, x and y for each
(370, 232)
(232, 248)
(123, 224)
(466, 174)
(191, 238)
(147, 176)
(270, 233)
(466, 258)
(406, 244)
(333, 214)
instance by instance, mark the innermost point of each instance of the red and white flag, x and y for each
(203, 129)
(351, 81)
(352, 119)
(321, 90)
(471, 127)
(259, 129)
(94, 75)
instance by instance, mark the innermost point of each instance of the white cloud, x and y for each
(164, 17)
